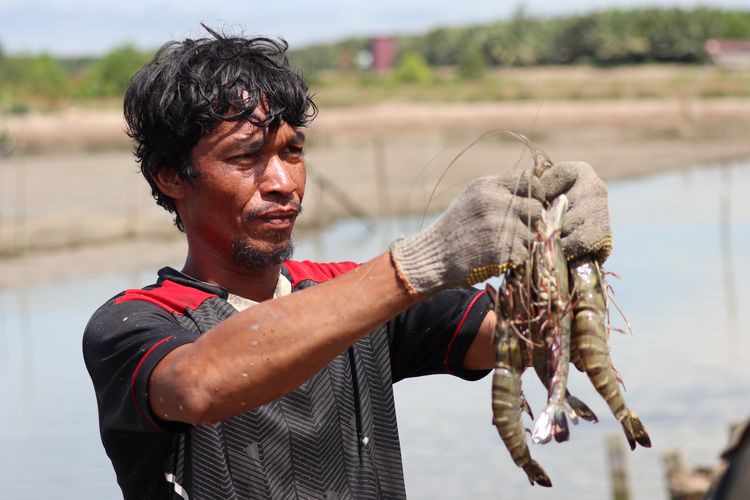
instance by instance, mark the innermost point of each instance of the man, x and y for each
(206, 387)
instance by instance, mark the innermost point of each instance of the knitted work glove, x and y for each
(586, 226)
(485, 230)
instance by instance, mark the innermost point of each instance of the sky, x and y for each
(92, 27)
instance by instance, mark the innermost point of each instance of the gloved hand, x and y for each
(586, 227)
(485, 230)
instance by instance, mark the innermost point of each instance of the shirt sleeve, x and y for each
(122, 344)
(434, 336)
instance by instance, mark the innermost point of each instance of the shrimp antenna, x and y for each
(419, 174)
(490, 133)
(541, 160)
(611, 298)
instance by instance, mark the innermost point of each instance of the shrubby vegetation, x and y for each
(473, 62)
(45, 81)
(412, 68)
(605, 38)
(110, 75)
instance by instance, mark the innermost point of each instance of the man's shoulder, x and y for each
(316, 272)
(153, 312)
(172, 295)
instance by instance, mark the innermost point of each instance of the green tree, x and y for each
(441, 46)
(472, 65)
(523, 41)
(736, 25)
(110, 75)
(35, 76)
(412, 68)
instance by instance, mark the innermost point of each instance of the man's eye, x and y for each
(246, 157)
(295, 150)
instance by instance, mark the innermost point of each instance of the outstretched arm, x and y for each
(268, 350)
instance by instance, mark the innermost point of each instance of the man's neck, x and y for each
(253, 284)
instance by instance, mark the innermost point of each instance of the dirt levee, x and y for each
(72, 182)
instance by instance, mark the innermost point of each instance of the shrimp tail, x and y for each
(560, 429)
(553, 422)
(635, 432)
(536, 474)
(581, 409)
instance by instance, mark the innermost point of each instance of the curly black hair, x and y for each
(191, 86)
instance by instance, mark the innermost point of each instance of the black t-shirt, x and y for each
(333, 437)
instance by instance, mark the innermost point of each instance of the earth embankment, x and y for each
(72, 187)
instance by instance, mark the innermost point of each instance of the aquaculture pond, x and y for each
(682, 250)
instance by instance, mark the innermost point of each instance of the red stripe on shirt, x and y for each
(170, 296)
(132, 384)
(316, 271)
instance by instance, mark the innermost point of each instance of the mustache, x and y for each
(270, 206)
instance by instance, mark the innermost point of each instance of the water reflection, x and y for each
(682, 245)
(725, 241)
(680, 240)
(27, 354)
(3, 334)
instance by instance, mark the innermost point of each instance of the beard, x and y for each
(252, 257)
(255, 258)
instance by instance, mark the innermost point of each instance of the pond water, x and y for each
(682, 249)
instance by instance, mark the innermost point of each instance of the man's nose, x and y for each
(277, 177)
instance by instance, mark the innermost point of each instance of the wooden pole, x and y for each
(20, 229)
(725, 248)
(381, 172)
(617, 467)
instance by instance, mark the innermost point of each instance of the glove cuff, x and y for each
(419, 263)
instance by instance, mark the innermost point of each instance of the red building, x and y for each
(383, 53)
(729, 53)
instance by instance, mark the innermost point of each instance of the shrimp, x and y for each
(540, 354)
(551, 283)
(507, 397)
(589, 331)
(541, 363)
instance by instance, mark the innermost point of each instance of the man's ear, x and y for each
(169, 182)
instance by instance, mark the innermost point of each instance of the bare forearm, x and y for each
(270, 349)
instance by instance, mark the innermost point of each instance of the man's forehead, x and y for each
(245, 130)
(260, 103)
(259, 115)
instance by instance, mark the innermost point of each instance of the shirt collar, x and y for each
(283, 287)
(171, 274)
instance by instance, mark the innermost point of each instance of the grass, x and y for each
(580, 82)
(561, 82)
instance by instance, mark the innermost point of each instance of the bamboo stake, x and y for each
(617, 467)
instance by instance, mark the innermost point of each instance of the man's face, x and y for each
(248, 194)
